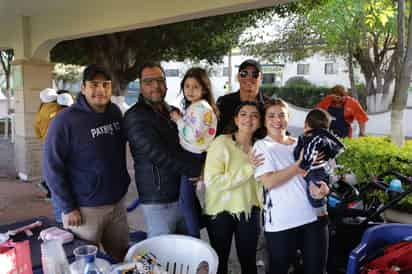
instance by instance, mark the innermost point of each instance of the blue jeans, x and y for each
(162, 219)
(57, 211)
(190, 205)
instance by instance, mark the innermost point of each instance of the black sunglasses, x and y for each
(245, 73)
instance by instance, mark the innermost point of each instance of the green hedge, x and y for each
(369, 156)
(301, 96)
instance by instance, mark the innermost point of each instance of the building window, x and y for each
(303, 69)
(330, 68)
(225, 71)
(172, 72)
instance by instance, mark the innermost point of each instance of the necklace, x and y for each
(244, 148)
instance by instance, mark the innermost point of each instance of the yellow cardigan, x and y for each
(43, 118)
(229, 179)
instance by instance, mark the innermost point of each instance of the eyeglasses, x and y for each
(151, 81)
(245, 73)
(95, 84)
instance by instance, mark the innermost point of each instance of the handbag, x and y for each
(15, 258)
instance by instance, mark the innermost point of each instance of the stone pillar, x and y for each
(29, 78)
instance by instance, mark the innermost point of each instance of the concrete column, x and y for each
(29, 78)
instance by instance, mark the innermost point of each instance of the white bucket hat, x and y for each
(48, 95)
(65, 99)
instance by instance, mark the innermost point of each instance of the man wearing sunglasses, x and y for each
(84, 165)
(159, 160)
(250, 78)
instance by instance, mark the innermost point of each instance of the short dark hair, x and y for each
(150, 65)
(90, 72)
(318, 118)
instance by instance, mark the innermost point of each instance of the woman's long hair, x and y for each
(200, 75)
(232, 127)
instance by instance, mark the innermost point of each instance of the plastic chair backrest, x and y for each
(178, 254)
(374, 238)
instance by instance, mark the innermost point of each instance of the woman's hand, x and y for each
(318, 191)
(256, 159)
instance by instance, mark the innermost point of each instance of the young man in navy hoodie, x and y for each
(84, 165)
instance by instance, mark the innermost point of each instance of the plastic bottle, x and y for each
(53, 258)
(91, 267)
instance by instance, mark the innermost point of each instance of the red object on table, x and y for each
(15, 258)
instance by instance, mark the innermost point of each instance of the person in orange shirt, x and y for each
(344, 110)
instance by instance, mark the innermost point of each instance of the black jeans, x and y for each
(221, 229)
(312, 238)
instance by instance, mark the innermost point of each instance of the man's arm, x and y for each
(143, 137)
(55, 166)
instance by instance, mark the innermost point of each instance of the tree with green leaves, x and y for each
(403, 72)
(66, 74)
(122, 53)
(6, 56)
(366, 31)
(369, 33)
(363, 32)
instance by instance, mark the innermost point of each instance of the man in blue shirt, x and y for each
(84, 165)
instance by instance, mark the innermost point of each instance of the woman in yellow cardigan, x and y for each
(232, 196)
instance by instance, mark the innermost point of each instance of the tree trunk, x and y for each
(112, 52)
(229, 71)
(6, 58)
(353, 87)
(403, 77)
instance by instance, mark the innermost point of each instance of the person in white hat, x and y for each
(48, 95)
(65, 99)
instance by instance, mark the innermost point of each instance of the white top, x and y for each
(286, 206)
(197, 128)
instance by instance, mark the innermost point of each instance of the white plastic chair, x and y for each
(177, 254)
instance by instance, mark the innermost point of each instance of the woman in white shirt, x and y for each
(290, 222)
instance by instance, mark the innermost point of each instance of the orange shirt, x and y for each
(352, 110)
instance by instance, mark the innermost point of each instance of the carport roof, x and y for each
(32, 28)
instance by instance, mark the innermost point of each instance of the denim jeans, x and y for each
(161, 219)
(57, 211)
(190, 205)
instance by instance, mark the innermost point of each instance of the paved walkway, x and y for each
(23, 200)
